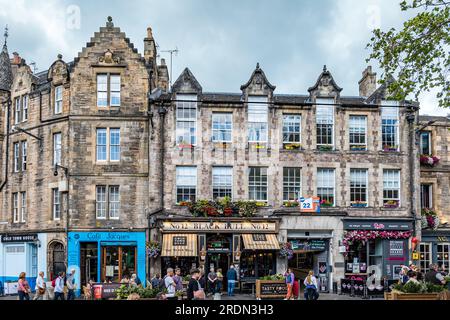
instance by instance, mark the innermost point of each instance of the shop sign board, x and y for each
(310, 205)
(5, 238)
(271, 289)
(309, 245)
(105, 290)
(378, 225)
(219, 226)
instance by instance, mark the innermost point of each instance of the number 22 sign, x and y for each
(311, 205)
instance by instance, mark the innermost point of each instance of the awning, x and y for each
(260, 242)
(179, 245)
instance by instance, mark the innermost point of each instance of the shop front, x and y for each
(250, 246)
(376, 248)
(107, 256)
(434, 248)
(21, 253)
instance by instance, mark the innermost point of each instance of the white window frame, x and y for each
(258, 184)
(424, 264)
(115, 89)
(112, 89)
(25, 102)
(356, 123)
(392, 183)
(429, 133)
(439, 253)
(186, 103)
(102, 92)
(57, 148)
(114, 203)
(290, 182)
(108, 132)
(23, 206)
(220, 127)
(16, 148)
(258, 119)
(361, 172)
(56, 204)
(329, 182)
(222, 179)
(15, 200)
(290, 121)
(390, 111)
(186, 178)
(101, 204)
(111, 145)
(325, 115)
(58, 99)
(24, 156)
(101, 145)
(17, 110)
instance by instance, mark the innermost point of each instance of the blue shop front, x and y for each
(435, 248)
(106, 256)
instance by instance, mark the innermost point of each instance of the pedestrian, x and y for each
(290, 279)
(212, 280)
(195, 290)
(404, 275)
(231, 279)
(170, 285)
(23, 287)
(71, 286)
(41, 287)
(156, 281)
(412, 277)
(310, 283)
(88, 292)
(434, 276)
(219, 280)
(59, 287)
(202, 279)
(178, 280)
(125, 280)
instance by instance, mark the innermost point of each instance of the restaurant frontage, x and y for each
(250, 245)
(106, 257)
(435, 248)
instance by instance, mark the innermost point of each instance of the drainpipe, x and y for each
(411, 118)
(8, 124)
(162, 116)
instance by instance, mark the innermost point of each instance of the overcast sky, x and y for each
(219, 40)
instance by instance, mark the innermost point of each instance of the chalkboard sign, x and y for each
(105, 290)
(271, 289)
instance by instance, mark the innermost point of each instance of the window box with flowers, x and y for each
(429, 161)
(358, 148)
(430, 219)
(390, 148)
(359, 204)
(224, 208)
(292, 146)
(326, 204)
(364, 236)
(291, 204)
(325, 148)
(391, 204)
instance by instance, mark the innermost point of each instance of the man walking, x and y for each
(170, 285)
(41, 287)
(71, 285)
(231, 278)
(434, 276)
(59, 287)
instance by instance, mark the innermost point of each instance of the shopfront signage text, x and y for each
(220, 227)
(5, 238)
(111, 236)
(309, 245)
(179, 241)
(376, 225)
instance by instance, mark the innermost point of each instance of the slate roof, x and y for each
(6, 75)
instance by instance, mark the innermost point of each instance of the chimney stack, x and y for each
(149, 46)
(368, 83)
(163, 76)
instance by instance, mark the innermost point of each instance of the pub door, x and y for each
(118, 262)
(219, 261)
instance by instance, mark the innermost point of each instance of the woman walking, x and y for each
(41, 287)
(24, 288)
(290, 279)
(311, 287)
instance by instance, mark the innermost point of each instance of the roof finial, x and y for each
(60, 56)
(6, 34)
(325, 68)
(257, 66)
(109, 23)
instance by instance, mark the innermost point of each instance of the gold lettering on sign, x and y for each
(442, 239)
(220, 226)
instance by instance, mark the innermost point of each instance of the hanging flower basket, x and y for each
(153, 249)
(430, 219)
(363, 236)
(286, 251)
(430, 161)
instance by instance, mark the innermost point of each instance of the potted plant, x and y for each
(226, 206)
(391, 204)
(247, 208)
(430, 161)
(286, 251)
(153, 249)
(430, 219)
(416, 291)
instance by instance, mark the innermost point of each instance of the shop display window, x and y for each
(257, 265)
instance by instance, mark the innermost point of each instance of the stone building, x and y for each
(75, 157)
(357, 154)
(434, 144)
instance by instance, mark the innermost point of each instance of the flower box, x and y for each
(359, 205)
(358, 148)
(292, 146)
(291, 204)
(390, 148)
(397, 295)
(430, 161)
(391, 205)
(325, 148)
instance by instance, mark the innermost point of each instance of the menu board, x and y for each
(270, 289)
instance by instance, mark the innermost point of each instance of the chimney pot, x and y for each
(368, 83)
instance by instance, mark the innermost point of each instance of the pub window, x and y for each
(326, 187)
(222, 182)
(358, 133)
(292, 184)
(186, 184)
(57, 148)
(425, 256)
(16, 217)
(24, 155)
(108, 90)
(426, 196)
(255, 265)
(107, 202)
(390, 125)
(58, 99)
(23, 207)
(25, 108)
(443, 259)
(17, 109)
(358, 187)
(16, 157)
(258, 115)
(325, 123)
(56, 204)
(258, 184)
(292, 130)
(186, 131)
(222, 127)
(391, 188)
(425, 143)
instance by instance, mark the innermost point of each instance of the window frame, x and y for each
(23, 206)
(98, 202)
(17, 110)
(186, 103)
(257, 184)
(424, 264)
(358, 134)
(289, 125)
(222, 188)
(24, 155)
(218, 133)
(57, 152)
(323, 110)
(387, 105)
(15, 206)
(429, 133)
(185, 186)
(25, 105)
(333, 187)
(113, 131)
(290, 182)
(430, 195)
(108, 147)
(116, 202)
(359, 186)
(58, 106)
(256, 127)
(56, 205)
(386, 199)
(17, 161)
(109, 91)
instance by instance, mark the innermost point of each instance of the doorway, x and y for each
(89, 262)
(58, 259)
(219, 255)
(118, 262)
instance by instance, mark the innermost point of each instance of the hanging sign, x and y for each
(310, 205)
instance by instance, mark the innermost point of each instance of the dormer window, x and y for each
(390, 126)
(58, 99)
(258, 116)
(108, 90)
(325, 124)
(186, 134)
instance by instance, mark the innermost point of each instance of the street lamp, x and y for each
(17, 129)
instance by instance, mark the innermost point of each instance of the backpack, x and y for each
(54, 283)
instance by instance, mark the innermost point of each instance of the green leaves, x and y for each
(416, 58)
